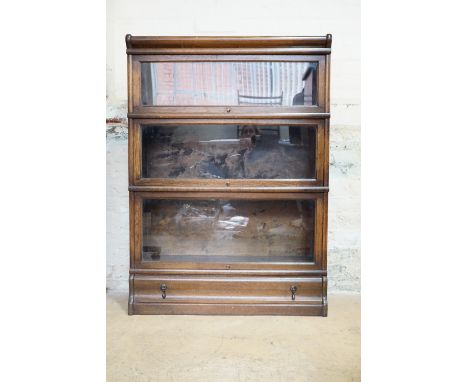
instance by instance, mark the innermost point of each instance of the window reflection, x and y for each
(229, 83)
(228, 230)
(229, 151)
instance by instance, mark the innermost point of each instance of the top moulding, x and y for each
(228, 44)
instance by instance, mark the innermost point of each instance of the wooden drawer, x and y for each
(245, 290)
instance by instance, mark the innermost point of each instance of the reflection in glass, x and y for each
(228, 152)
(228, 230)
(229, 83)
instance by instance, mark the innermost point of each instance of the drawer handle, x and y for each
(163, 288)
(293, 290)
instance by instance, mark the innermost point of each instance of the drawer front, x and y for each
(230, 290)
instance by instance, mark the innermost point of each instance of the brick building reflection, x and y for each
(229, 83)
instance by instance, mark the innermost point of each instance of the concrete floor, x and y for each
(234, 348)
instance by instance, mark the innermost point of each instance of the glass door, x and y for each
(241, 153)
(225, 231)
(236, 84)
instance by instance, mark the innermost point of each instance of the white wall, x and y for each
(341, 18)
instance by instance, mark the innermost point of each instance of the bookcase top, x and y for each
(228, 44)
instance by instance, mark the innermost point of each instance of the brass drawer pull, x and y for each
(163, 288)
(293, 290)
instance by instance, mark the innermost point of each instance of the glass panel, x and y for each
(228, 152)
(228, 230)
(229, 83)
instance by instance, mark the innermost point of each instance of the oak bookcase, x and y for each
(228, 174)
